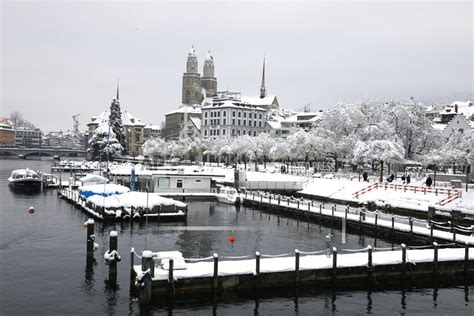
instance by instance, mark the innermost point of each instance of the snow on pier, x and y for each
(409, 225)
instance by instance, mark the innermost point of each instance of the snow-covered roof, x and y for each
(464, 107)
(232, 104)
(305, 116)
(268, 100)
(127, 119)
(439, 127)
(274, 124)
(156, 127)
(196, 109)
(135, 199)
(196, 121)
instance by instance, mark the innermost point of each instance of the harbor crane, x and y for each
(75, 124)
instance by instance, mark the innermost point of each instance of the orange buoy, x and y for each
(232, 239)
(31, 210)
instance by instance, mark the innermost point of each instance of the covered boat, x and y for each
(25, 179)
(229, 195)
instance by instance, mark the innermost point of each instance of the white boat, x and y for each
(229, 195)
(25, 179)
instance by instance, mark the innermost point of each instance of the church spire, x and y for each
(117, 89)
(263, 91)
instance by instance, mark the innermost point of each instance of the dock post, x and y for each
(347, 210)
(132, 270)
(376, 222)
(466, 259)
(309, 207)
(404, 261)
(215, 279)
(90, 237)
(454, 234)
(298, 203)
(393, 224)
(278, 200)
(171, 278)
(257, 267)
(435, 259)
(144, 296)
(113, 241)
(410, 220)
(334, 264)
(431, 230)
(270, 199)
(369, 262)
(297, 266)
(332, 212)
(320, 208)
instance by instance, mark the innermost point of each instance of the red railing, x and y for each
(453, 194)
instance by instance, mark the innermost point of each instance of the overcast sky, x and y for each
(60, 59)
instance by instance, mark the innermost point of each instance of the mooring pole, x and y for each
(334, 264)
(132, 270)
(113, 241)
(466, 258)
(257, 267)
(297, 266)
(146, 281)
(435, 260)
(404, 261)
(369, 262)
(215, 278)
(171, 278)
(90, 237)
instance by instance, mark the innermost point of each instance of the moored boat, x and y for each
(229, 195)
(25, 179)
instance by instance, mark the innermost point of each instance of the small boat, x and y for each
(56, 158)
(25, 179)
(21, 157)
(229, 195)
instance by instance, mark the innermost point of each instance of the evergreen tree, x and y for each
(115, 121)
(103, 144)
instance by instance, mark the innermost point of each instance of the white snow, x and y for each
(309, 262)
(134, 199)
(113, 233)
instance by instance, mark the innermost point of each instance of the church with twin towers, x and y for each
(195, 87)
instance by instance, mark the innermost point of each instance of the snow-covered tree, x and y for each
(103, 144)
(115, 121)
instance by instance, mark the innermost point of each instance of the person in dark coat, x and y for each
(403, 179)
(408, 179)
(429, 181)
(365, 176)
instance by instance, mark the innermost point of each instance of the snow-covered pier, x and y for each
(169, 274)
(127, 206)
(378, 223)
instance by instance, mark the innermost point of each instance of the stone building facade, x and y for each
(196, 88)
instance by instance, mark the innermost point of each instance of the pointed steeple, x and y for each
(117, 89)
(263, 91)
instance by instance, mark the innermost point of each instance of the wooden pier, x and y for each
(355, 269)
(392, 226)
(72, 196)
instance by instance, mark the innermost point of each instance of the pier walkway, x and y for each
(362, 219)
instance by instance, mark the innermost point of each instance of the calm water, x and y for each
(42, 261)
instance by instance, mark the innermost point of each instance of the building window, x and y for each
(245, 114)
(223, 123)
(198, 181)
(205, 132)
(233, 113)
(260, 124)
(238, 132)
(260, 116)
(225, 113)
(254, 123)
(179, 183)
(205, 114)
(238, 122)
(205, 122)
(233, 121)
(255, 116)
(233, 132)
(254, 133)
(223, 132)
(245, 122)
(239, 114)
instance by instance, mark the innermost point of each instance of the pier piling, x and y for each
(113, 241)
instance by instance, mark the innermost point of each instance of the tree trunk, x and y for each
(434, 175)
(265, 162)
(335, 164)
(381, 171)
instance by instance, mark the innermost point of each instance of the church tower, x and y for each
(263, 90)
(191, 92)
(208, 80)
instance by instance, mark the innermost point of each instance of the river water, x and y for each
(43, 262)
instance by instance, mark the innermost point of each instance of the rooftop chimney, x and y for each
(455, 108)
